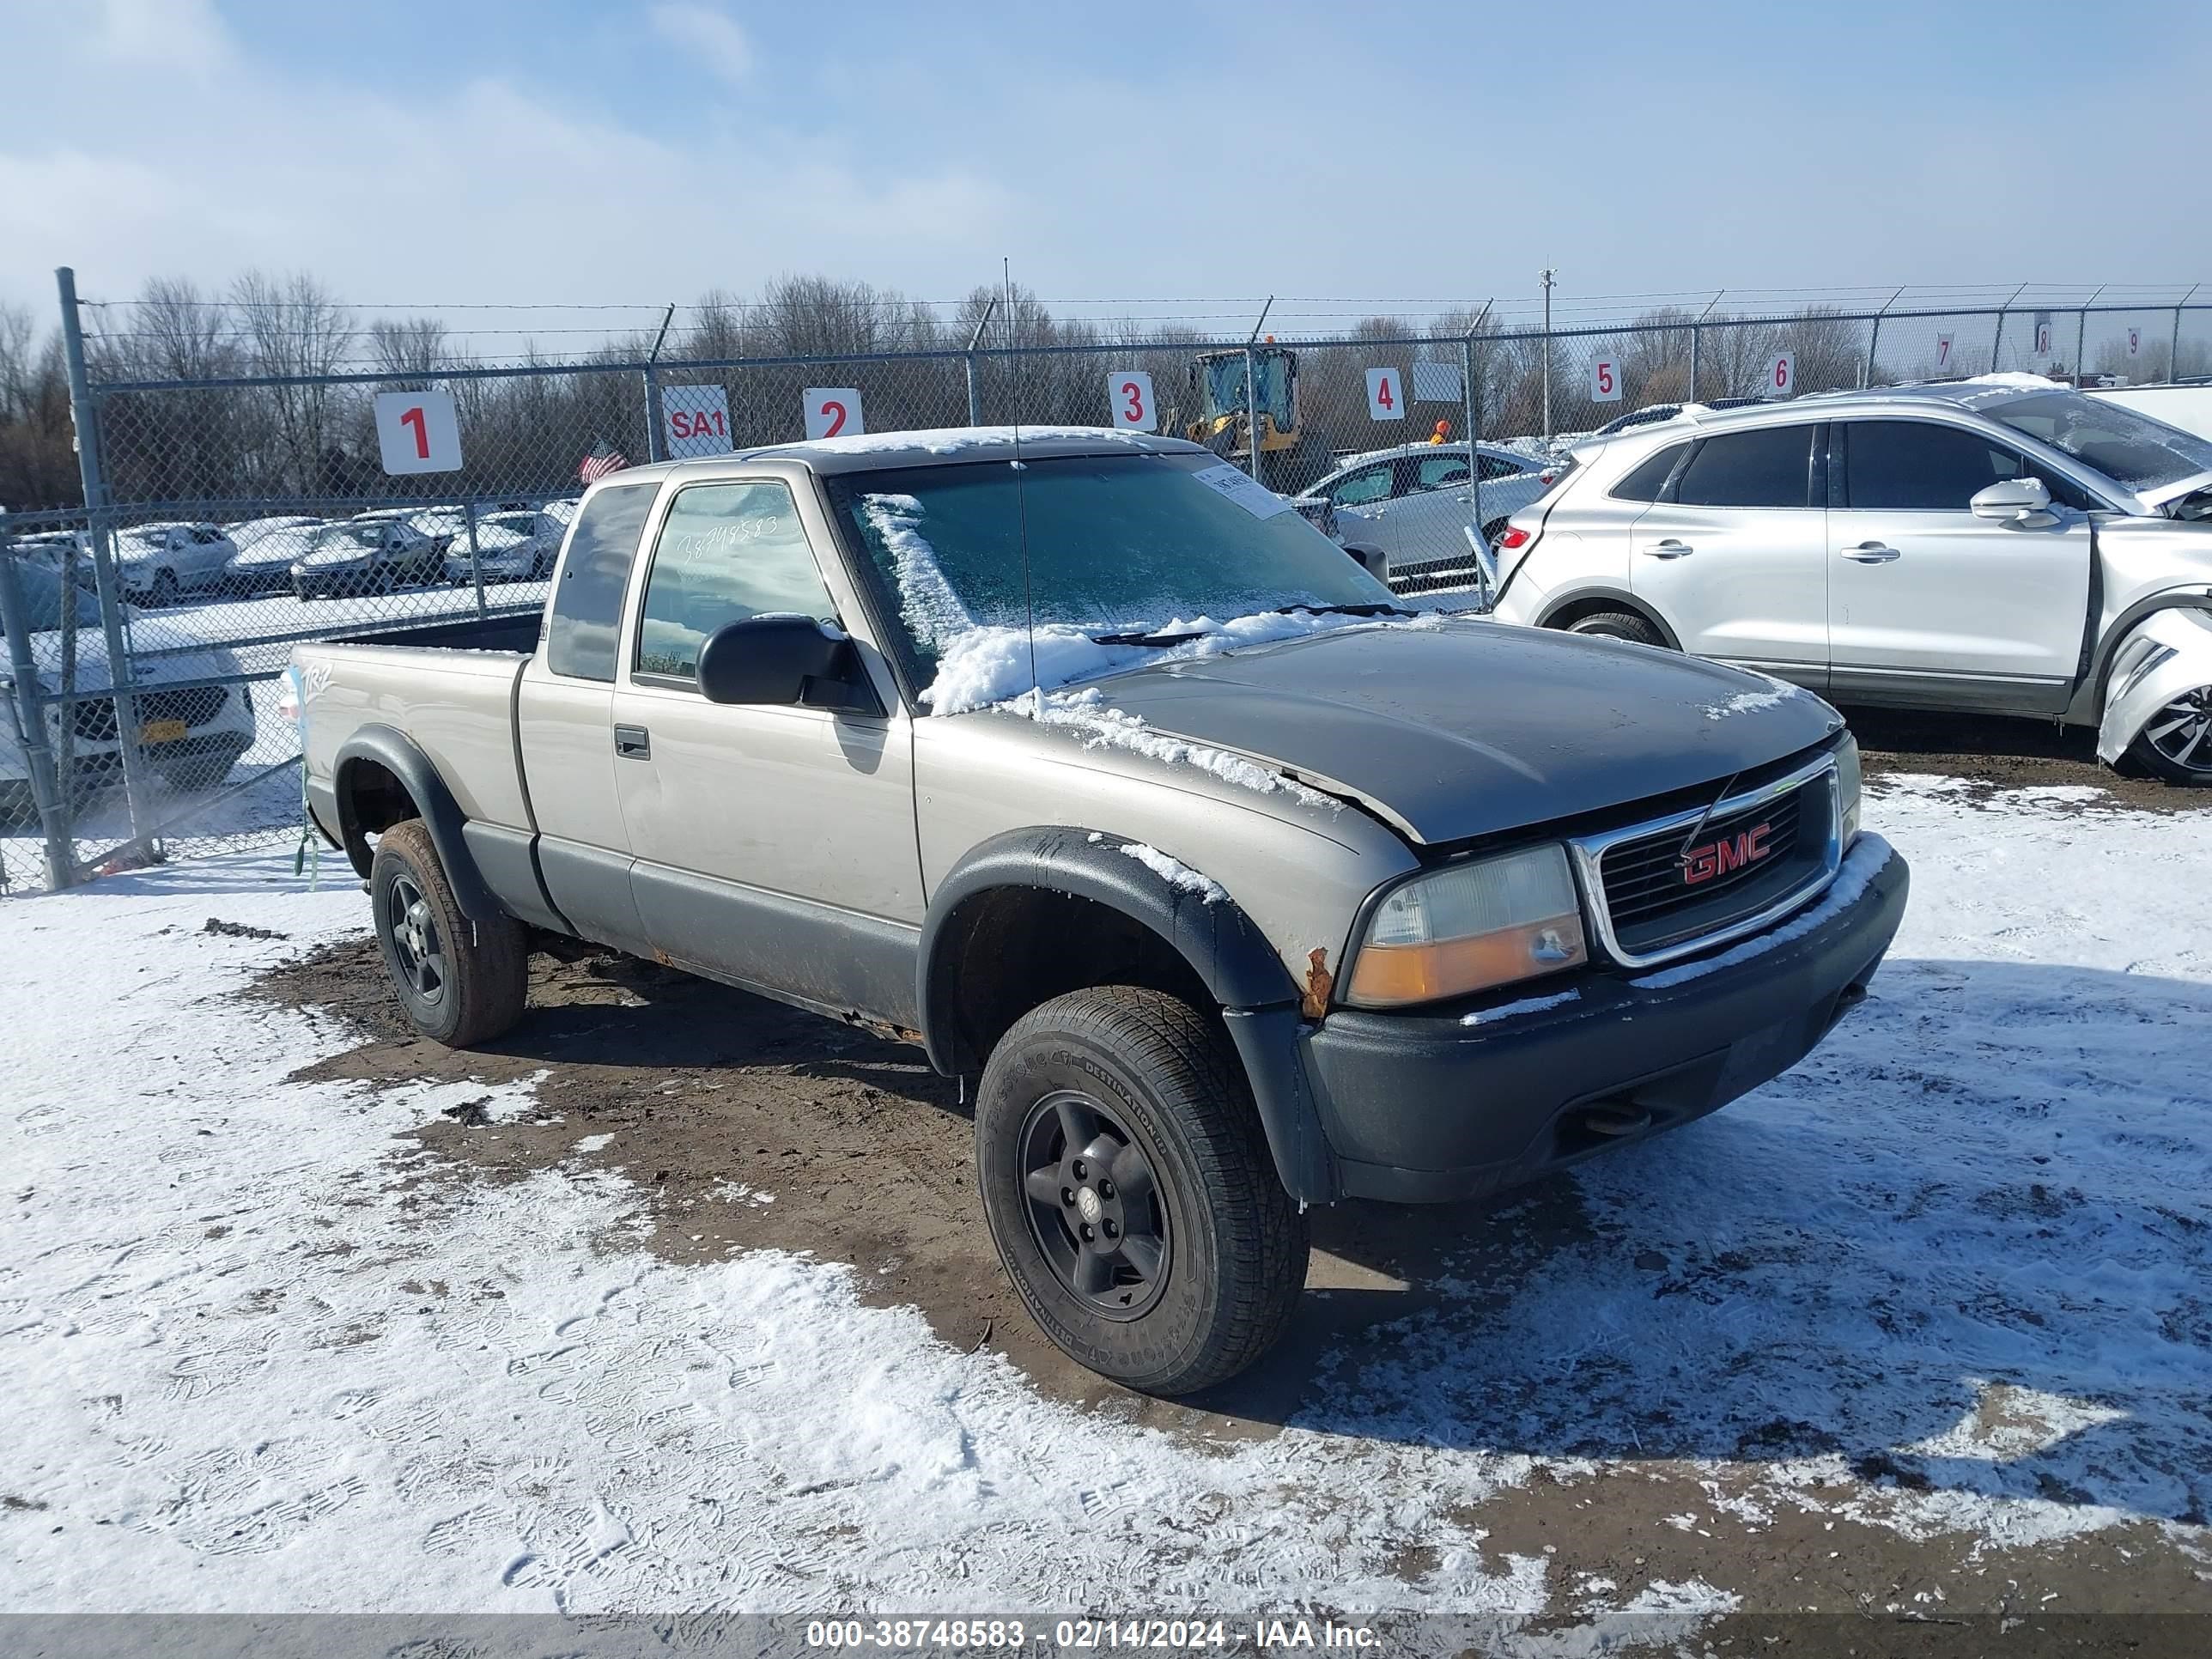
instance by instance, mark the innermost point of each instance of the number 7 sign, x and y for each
(417, 432)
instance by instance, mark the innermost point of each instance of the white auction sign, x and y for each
(1782, 374)
(1605, 380)
(1385, 395)
(695, 420)
(833, 411)
(2134, 342)
(2043, 337)
(1943, 351)
(418, 432)
(1129, 393)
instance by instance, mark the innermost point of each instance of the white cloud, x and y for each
(721, 46)
(185, 36)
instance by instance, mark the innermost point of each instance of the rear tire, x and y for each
(2177, 743)
(459, 983)
(1170, 1259)
(1618, 625)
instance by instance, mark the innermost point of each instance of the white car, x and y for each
(159, 564)
(2006, 545)
(1415, 502)
(267, 548)
(511, 547)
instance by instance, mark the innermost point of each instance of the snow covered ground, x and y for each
(1945, 1289)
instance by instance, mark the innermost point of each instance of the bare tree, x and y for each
(293, 326)
(38, 467)
(410, 348)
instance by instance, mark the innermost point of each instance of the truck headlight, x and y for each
(1470, 927)
(1847, 787)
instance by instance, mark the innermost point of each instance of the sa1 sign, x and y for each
(417, 432)
(1782, 374)
(1385, 395)
(696, 421)
(1605, 380)
(833, 411)
(1129, 394)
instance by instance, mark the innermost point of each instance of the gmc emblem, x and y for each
(1717, 858)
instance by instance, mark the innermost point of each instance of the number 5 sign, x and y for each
(1782, 374)
(1385, 395)
(1130, 396)
(417, 432)
(833, 411)
(1605, 380)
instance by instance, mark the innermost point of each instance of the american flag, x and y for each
(604, 458)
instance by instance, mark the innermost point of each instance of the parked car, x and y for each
(1414, 501)
(53, 548)
(267, 549)
(191, 735)
(374, 553)
(2005, 546)
(1324, 902)
(1654, 412)
(564, 510)
(159, 564)
(442, 525)
(511, 547)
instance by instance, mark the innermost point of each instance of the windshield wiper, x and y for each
(1347, 610)
(1144, 639)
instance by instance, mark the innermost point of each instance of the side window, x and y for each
(727, 551)
(1491, 467)
(1439, 471)
(1920, 466)
(1649, 477)
(585, 619)
(1770, 467)
(1369, 483)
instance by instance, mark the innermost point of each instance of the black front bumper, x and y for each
(1426, 1109)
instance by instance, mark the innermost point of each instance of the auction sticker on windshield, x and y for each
(1241, 487)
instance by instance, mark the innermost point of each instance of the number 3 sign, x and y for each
(1385, 401)
(833, 411)
(1129, 395)
(417, 432)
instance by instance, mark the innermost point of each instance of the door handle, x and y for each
(1871, 553)
(1670, 549)
(633, 742)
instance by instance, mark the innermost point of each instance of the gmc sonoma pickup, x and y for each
(1091, 766)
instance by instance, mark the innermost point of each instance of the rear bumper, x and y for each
(1430, 1108)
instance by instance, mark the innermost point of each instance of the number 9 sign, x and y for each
(1782, 374)
(833, 411)
(1605, 380)
(1129, 395)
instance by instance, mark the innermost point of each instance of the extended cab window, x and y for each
(1771, 466)
(585, 619)
(1920, 466)
(727, 551)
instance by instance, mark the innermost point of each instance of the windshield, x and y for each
(158, 537)
(2128, 449)
(349, 535)
(516, 523)
(1224, 384)
(42, 590)
(1118, 545)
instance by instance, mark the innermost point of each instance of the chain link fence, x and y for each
(230, 516)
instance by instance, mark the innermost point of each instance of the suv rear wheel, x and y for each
(460, 982)
(1130, 1192)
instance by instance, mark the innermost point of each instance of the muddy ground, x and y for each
(867, 1154)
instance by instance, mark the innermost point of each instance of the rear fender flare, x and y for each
(398, 754)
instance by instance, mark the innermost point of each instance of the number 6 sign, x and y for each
(1782, 374)
(417, 432)
(833, 411)
(1385, 395)
(1129, 394)
(1605, 380)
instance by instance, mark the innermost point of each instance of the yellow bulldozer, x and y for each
(1291, 455)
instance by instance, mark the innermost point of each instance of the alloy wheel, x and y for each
(2182, 730)
(1095, 1206)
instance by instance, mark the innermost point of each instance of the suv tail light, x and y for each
(1515, 537)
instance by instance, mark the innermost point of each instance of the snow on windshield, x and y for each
(933, 613)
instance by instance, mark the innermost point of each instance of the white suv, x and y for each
(2004, 546)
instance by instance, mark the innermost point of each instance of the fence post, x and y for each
(1997, 346)
(975, 392)
(656, 423)
(1546, 277)
(31, 717)
(1474, 402)
(475, 569)
(1873, 342)
(2174, 352)
(1697, 338)
(99, 522)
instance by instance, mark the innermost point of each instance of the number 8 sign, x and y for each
(833, 411)
(1129, 395)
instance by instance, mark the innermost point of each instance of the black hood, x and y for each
(1469, 728)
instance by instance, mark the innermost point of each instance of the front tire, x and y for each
(460, 983)
(2177, 742)
(1130, 1193)
(1618, 625)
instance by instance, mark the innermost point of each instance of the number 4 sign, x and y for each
(417, 432)
(1605, 380)
(1129, 394)
(1782, 374)
(1385, 395)
(833, 411)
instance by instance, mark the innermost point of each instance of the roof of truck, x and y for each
(940, 446)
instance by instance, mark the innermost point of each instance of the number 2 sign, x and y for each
(1386, 399)
(417, 432)
(1129, 394)
(833, 411)
(1782, 374)
(1605, 380)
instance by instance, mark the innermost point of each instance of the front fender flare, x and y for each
(2167, 652)
(398, 754)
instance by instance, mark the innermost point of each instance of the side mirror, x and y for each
(2014, 501)
(1370, 558)
(772, 658)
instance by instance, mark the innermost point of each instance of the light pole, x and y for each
(1545, 277)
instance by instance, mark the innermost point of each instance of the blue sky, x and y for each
(476, 151)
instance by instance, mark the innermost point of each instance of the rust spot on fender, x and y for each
(1319, 983)
(663, 958)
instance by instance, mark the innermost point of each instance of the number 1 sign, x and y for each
(417, 432)
(1605, 380)
(833, 411)
(1386, 399)
(1129, 394)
